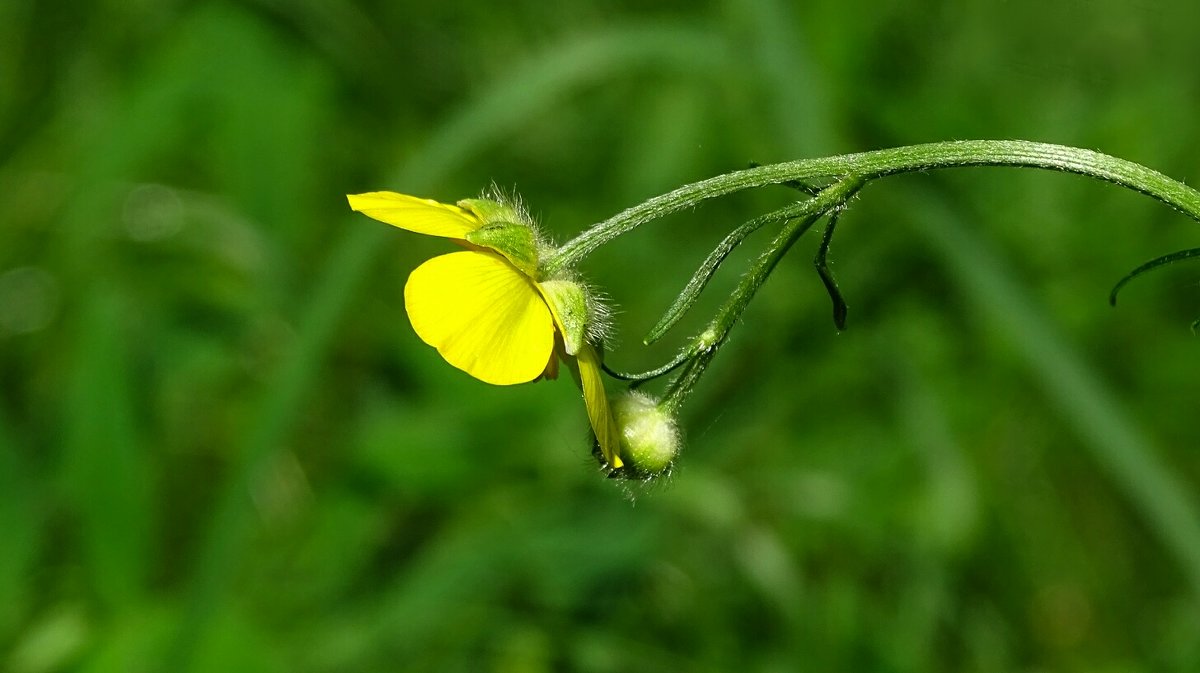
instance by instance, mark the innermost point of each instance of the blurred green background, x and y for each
(222, 447)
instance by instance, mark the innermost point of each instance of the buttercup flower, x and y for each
(487, 310)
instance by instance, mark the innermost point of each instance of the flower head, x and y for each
(487, 310)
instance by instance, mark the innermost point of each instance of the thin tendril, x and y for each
(1148, 266)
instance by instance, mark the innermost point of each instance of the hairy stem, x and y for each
(880, 163)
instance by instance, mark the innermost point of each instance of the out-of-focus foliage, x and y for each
(222, 447)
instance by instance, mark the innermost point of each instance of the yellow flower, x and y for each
(486, 309)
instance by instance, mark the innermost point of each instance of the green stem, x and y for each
(705, 346)
(880, 163)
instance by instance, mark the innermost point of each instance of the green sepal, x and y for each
(489, 211)
(515, 241)
(568, 301)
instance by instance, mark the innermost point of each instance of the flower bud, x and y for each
(649, 437)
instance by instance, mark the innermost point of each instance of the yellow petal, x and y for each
(608, 435)
(423, 216)
(483, 316)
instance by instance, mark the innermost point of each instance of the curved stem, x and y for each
(880, 163)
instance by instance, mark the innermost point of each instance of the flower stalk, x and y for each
(881, 163)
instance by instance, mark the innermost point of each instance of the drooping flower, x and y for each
(487, 309)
